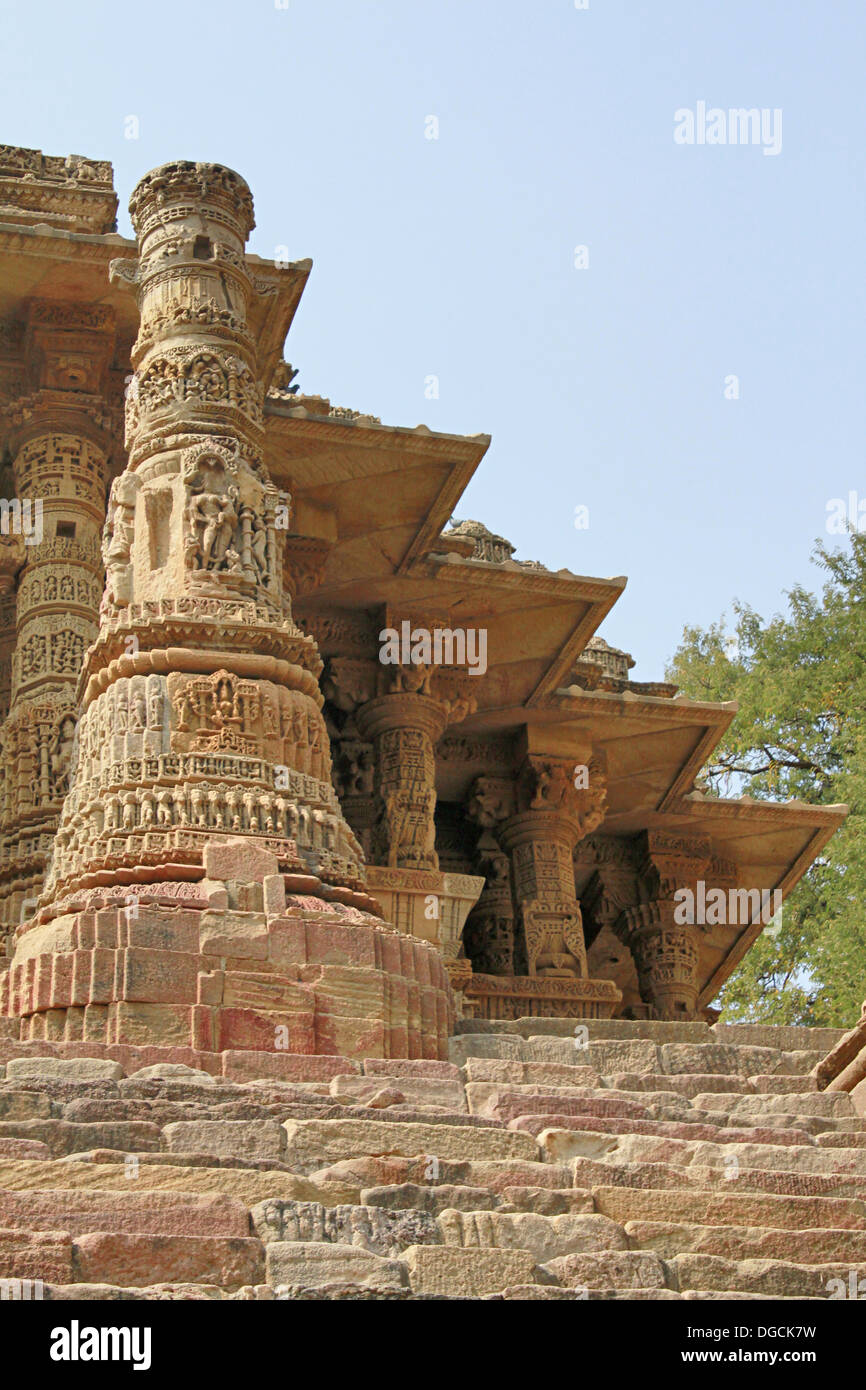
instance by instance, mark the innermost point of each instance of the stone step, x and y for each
(728, 1059)
(777, 1084)
(310, 1144)
(25, 1105)
(460, 1273)
(609, 1269)
(433, 1170)
(381, 1230)
(242, 1138)
(562, 1145)
(141, 1212)
(676, 1129)
(505, 1103)
(546, 1237)
(62, 1137)
(686, 1084)
(713, 1208)
(241, 1066)
(785, 1036)
(432, 1200)
(833, 1104)
(841, 1139)
(136, 1260)
(808, 1246)
(311, 1264)
(549, 1293)
(247, 1185)
(643, 1176)
(512, 1073)
(495, 1102)
(550, 1160)
(23, 1148)
(148, 1293)
(631, 1054)
(445, 1093)
(78, 1071)
(773, 1278)
(45, 1255)
(546, 1201)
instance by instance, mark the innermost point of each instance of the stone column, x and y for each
(60, 440)
(201, 706)
(404, 728)
(11, 559)
(554, 814)
(665, 948)
(488, 937)
(399, 712)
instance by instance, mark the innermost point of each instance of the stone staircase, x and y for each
(547, 1160)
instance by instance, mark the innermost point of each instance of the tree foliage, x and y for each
(800, 681)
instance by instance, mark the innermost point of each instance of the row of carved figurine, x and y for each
(213, 808)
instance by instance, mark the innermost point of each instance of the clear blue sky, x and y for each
(454, 257)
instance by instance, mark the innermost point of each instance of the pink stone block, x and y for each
(287, 942)
(81, 974)
(61, 980)
(85, 931)
(236, 935)
(240, 860)
(159, 977)
(350, 1037)
(245, 1030)
(102, 976)
(332, 944)
(42, 983)
(139, 1260)
(106, 932)
(390, 956)
(274, 891)
(160, 929)
(210, 987)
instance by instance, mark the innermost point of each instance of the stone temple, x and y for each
(342, 862)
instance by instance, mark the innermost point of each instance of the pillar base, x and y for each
(528, 996)
(426, 903)
(232, 963)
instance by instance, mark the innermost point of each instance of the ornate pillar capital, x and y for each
(400, 710)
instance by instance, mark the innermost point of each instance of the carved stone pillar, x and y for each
(607, 870)
(353, 777)
(404, 727)
(12, 553)
(554, 815)
(60, 440)
(667, 956)
(202, 713)
(488, 937)
(665, 948)
(398, 713)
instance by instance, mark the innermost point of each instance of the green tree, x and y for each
(800, 732)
